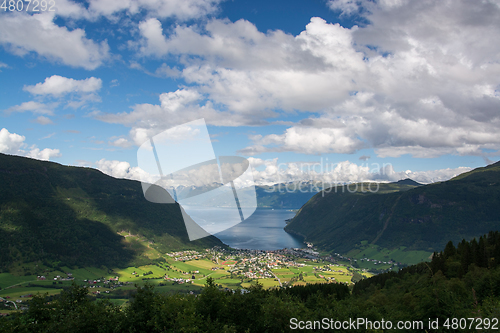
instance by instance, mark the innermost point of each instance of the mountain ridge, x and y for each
(73, 215)
(421, 218)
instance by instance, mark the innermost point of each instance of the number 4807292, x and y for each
(27, 5)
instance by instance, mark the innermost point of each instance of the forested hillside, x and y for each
(420, 218)
(60, 215)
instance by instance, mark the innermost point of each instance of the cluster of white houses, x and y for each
(186, 255)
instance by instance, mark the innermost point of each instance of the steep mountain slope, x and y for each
(72, 215)
(422, 218)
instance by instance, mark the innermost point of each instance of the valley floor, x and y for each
(184, 272)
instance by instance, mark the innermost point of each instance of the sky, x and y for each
(336, 90)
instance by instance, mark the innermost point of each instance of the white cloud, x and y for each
(166, 71)
(44, 154)
(420, 78)
(58, 85)
(42, 120)
(70, 9)
(268, 172)
(120, 142)
(346, 7)
(307, 139)
(181, 9)
(113, 10)
(22, 33)
(12, 143)
(248, 70)
(176, 108)
(426, 177)
(271, 171)
(70, 92)
(34, 107)
(121, 169)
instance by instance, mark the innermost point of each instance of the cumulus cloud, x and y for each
(12, 143)
(34, 107)
(420, 78)
(180, 9)
(426, 177)
(22, 33)
(271, 171)
(44, 154)
(307, 139)
(122, 169)
(248, 70)
(114, 10)
(70, 92)
(175, 108)
(346, 7)
(120, 142)
(58, 85)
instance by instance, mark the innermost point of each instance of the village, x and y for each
(187, 272)
(277, 268)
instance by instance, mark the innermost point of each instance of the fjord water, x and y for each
(263, 230)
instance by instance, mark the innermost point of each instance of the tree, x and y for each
(449, 250)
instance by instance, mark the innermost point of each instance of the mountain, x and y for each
(73, 216)
(286, 195)
(408, 181)
(402, 214)
(278, 196)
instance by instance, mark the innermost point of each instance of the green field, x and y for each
(7, 279)
(204, 264)
(126, 274)
(15, 293)
(172, 269)
(86, 274)
(267, 283)
(219, 274)
(190, 267)
(228, 282)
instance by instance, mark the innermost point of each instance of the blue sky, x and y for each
(352, 85)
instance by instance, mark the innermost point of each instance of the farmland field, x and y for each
(15, 293)
(7, 279)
